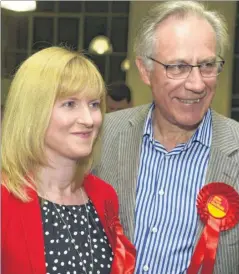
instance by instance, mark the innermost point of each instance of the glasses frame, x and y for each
(166, 66)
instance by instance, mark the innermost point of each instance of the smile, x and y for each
(189, 101)
(82, 134)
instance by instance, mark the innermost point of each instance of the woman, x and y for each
(56, 217)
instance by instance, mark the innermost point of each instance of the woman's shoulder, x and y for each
(98, 185)
(9, 201)
(97, 182)
(8, 206)
(6, 196)
(99, 192)
(9, 198)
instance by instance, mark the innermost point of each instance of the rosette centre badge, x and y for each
(217, 206)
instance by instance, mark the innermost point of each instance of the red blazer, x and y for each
(22, 231)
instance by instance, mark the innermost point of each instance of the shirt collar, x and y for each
(203, 133)
(148, 128)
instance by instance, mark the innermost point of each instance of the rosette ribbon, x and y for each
(124, 250)
(218, 208)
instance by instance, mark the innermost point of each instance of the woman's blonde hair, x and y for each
(44, 77)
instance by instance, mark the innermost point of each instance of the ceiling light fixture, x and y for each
(100, 45)
(19, 6)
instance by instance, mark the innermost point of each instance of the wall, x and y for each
(141, 93)
(5, 84)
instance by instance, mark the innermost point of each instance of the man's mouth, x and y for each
(189, 101)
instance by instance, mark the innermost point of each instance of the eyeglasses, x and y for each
(182, 71)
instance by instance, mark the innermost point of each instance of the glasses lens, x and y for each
(179, 71)
(211, 69)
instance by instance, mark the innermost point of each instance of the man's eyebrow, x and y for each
(177, 61)
(183, 61)
(208, 59)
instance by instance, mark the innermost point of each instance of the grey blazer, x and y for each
(122, 137)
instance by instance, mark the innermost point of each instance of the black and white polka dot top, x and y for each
(66, 255)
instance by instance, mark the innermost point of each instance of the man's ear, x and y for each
(144, 73)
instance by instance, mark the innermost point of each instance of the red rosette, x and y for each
(222, 190)
(124, 251)
(218, 208)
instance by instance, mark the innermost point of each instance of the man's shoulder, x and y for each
(225, 132)
(223, 122)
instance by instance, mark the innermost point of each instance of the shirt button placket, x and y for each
(154, 229)
(161, 192)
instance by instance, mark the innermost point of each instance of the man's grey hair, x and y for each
(145, 38)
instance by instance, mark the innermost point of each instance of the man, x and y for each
(159, 157)
(118, 97)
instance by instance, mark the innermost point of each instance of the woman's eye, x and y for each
(95, 104)
(69, 104)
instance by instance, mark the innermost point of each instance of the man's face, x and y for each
(113, 105)
(182, 102)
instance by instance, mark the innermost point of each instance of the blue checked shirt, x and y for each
(167, 187)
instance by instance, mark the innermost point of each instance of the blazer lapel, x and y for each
(33, 233)
(128, 163)
(221, 167)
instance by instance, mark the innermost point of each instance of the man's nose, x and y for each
(195, 81)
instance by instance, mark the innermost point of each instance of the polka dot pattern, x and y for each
(60, 251)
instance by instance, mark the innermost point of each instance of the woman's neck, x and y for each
(56, 179)
(56, 183)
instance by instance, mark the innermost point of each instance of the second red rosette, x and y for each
(218, 208)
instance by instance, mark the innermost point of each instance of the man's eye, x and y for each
(178, 68)
(208, 65)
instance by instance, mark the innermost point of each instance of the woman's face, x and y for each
(73, 128)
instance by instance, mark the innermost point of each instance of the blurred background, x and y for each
(105, 30)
